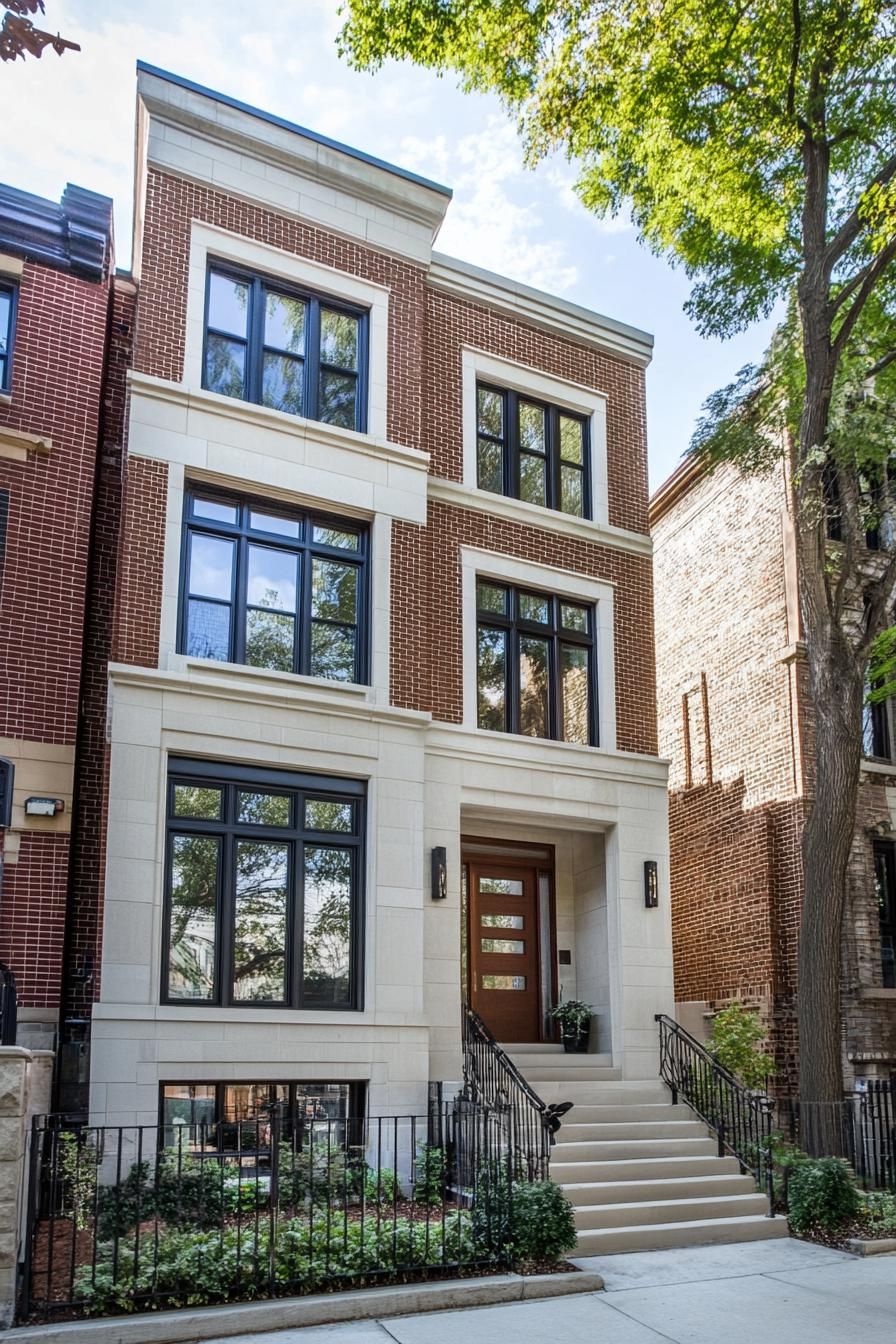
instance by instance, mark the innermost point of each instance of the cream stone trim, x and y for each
(509, 569)
(534, 383)
(11, 266)
(207, 241)
(457, 742)
(530, 515)
(181, 435)
(554, 314)
(15, 444)
(255, 688)
(45, 770)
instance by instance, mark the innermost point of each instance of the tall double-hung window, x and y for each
(274, 587)
(264, 888)
(532, 450)
(536, 672)
(285, 348)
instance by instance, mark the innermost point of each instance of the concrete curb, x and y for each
(883, 1246)
(406, 1299)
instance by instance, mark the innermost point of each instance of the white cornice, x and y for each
(283, 148)
(295, 426)
(549, 520)
(541, 309)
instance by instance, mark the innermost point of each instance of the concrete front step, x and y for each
(660, 1188)
(631, 1149)
(584, 1114)
(641, 1169)
(558, 1065)
(699, 1232)
(595, 1216)
(609, 1092)
(575, 1073)
(574, 1131)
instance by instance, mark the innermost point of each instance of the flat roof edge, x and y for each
(144, 68)
(633, 337)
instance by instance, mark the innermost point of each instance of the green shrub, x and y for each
(381, 1186)
(77, 1161)
(878, 1209)
(430, 1174)
(822, 1194)
(315, 1174)
(733, 1040)
(190, 1269)
(528, 1220)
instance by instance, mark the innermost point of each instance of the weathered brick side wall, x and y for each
(724, 613)
(56, 392)
(722, 633)
(84, 923)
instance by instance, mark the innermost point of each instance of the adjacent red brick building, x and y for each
(735, 722)
(56, 291)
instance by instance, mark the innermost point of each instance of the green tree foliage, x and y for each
(734, 1040)
(755, 146)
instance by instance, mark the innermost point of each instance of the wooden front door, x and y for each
(503, 948)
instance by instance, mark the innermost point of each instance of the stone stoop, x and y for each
(640, 1173)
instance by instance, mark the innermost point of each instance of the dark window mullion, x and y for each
(555, 709)
(312, 360)
(299, 931)
(511, 445)
(255, 328)
(552, 444)
(305, 616)
(227, 917)
(241, 573)
(513, 677)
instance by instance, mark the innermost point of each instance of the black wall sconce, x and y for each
(439, 873)
(651, 884)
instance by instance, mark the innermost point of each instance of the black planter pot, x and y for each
(576, 1042)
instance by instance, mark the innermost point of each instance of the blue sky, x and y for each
(71, 119)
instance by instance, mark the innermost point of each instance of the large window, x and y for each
(535, 664)
(237, 1115)
(274, 588)
(885, 882)
(877, 738)
(8, 295)
(264, 884)
(283, 348)
(532, 450)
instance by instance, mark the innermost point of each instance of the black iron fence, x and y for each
(125, 1219)
(741, 1120)
(861, 1128)
(8, 1005)
(492, 1079)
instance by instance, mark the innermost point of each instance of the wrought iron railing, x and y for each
(741, 1119)
(138, 1218)
(861, 1128)
(492, 1079)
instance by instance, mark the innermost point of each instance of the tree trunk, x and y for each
(837, 692)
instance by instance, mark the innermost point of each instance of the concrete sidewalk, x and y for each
(765, 1292)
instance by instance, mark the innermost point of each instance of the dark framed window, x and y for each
(536, 664)
(877, 741)
(8, 302)
(885, 884)
(236, 1115)
(274, 587)
(264, 879)
(285, 348)
(532, 450)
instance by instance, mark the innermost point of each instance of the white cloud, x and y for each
(493, 220)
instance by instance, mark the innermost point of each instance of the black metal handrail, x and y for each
(8, 1006)
(493, 1080)
(741, 1119)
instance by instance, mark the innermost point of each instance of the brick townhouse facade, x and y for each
(369, 709)
(735, 721)
(56, 288)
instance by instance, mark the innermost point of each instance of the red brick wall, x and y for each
(426, 612)
(141, 562)
(57, 373)
(56, 391)
(453, 323)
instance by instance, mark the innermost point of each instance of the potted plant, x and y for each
(575, 1024)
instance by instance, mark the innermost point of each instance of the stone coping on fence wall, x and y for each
(880, 1246)
(239, 1318)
